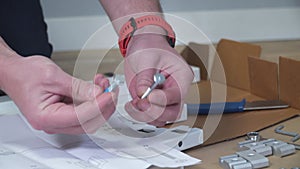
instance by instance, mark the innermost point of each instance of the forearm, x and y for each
(7, 58)
(5, 62)
(120, 11)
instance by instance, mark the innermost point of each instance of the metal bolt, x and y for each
(292, 134)
(158, 79)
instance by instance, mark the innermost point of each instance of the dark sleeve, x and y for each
(2, 93)
(23, 28)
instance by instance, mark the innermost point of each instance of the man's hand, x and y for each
(52, 100)
(148, 54)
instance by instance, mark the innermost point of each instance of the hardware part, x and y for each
(295, 136)
(230, 163)
(281, 148)
(285, 150)
(256, 160)
(267, 141)
(158, 79)
(234, 162)
(241, 144)
(260, 148)
(223, 158)
(280, 131)
(242, 166)
(297, 146)
(253, 136)
(255, 153)
(111, 87)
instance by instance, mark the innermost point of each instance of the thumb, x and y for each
(82, 90)
(143, 81)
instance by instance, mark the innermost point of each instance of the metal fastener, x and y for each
(295, 136)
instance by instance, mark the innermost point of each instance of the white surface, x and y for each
(197, 76)
(65, 8)
(253, 24)
(64, 151)
(103, 149)
(29, 145)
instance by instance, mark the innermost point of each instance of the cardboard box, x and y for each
(246, 76)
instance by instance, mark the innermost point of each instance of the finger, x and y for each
(101, 81)
(89, 127)
(158, 123)
(144, 80)
(104, 104)
(171, 114)
(92, 125)
(179, 77)
(83, 91)
(60, 115)
(78, 90)
(69, 130)
(137, 114)
(165, 96)
(151, 114)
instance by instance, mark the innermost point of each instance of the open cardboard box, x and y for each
(246, 76)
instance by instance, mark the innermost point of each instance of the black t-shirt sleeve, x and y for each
(23, 28)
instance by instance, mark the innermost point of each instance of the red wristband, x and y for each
(128, 29)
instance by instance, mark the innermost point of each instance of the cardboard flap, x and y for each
(263, 78)
(289, 81)
(236, 125)
(234, 58)
(197, 55)
(247, 77)
(202, 93)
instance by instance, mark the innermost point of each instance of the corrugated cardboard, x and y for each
(263, 78)
(289, 70)
(234, 57)
(197, 55)
(238, 124)
(254, 79)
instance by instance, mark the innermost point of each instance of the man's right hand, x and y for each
(52, 100)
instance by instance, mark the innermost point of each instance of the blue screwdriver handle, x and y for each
(216, 108)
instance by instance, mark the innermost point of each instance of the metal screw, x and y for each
(158, 79)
